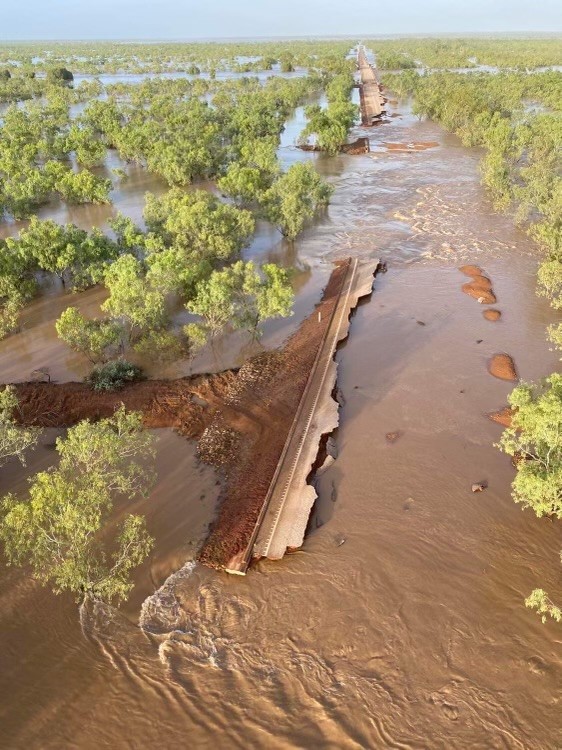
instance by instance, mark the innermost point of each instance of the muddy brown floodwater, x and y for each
(401, 621)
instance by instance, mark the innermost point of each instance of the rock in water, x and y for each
(476, 290)
(471, 270)
(503, 416)
(502, 366)
(492, 314)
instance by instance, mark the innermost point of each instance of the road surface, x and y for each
(289, 500)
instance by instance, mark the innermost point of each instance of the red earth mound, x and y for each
(503, 416)
(186, 405)
(471, 270)
(478, 292)
(502, 366)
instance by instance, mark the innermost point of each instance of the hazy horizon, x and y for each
(115, 20)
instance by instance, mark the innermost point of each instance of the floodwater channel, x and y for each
(401, 622)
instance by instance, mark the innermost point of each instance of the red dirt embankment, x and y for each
(186, 405)
(241, 419)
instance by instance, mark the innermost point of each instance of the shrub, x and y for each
(114, 375)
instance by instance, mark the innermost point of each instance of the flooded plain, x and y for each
(401, 622)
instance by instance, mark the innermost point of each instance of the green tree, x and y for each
(59, 75)
(240, 296)
(132, 301)
(66, 251)
(17, 284)
(80, 187)
(14, 440)
(189, 235)
(253, 173)
(295, 197)
(61, 528)
(260, 296)
(535, 439)
(88, 148)
(214, 302)
(199, 223)
(96, 339)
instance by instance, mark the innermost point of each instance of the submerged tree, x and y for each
(59, 75)
(14, 440)
(132, 302)
(189, 235)
(61, 529)
(295, 197)
(97, 340)
(76, 257)
(240, 297)
(534, 440)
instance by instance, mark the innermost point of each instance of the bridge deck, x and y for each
(372, 100)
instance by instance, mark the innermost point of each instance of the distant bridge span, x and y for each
(372, 100)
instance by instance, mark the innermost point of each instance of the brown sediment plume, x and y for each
(502, 366)
(471, 270)
(502, 416)
(492, 314)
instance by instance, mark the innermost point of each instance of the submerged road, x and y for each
(372, 100)
(289, 499)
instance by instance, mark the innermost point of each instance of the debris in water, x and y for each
(392, 437)
(479, 486)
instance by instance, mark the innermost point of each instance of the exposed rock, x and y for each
(502, 366)
(503, 416)
(471, 270)
(492, 314)
(481, 282)
(484, 296)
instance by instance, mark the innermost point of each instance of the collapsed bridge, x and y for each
(285, 506)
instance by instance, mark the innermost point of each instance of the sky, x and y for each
(204, 19)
